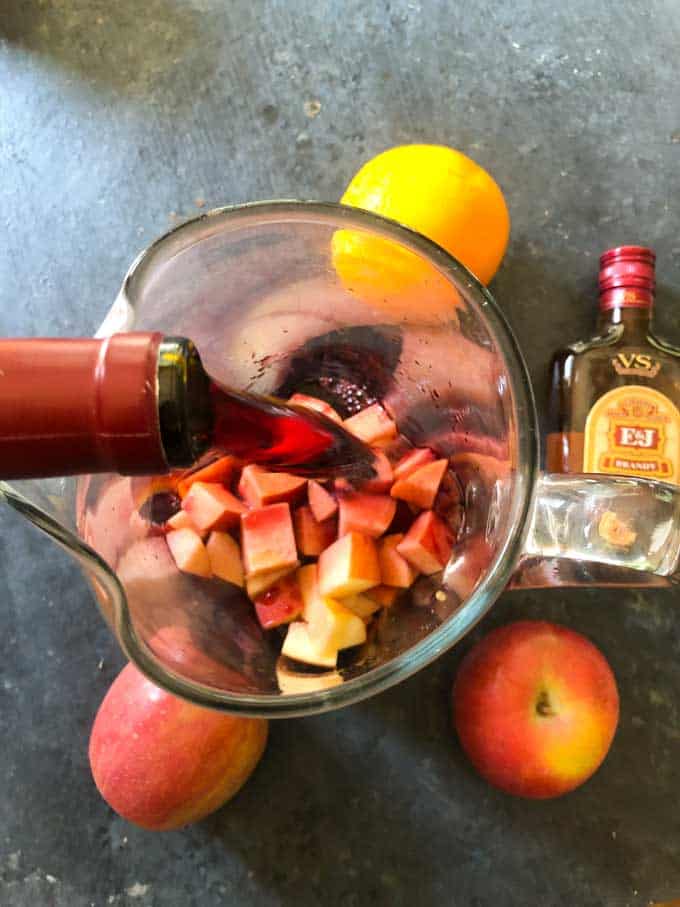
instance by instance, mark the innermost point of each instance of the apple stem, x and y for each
(543, 706)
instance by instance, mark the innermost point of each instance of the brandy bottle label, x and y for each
(633, 431)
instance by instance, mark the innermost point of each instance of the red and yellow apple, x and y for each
(161, 762)
(536, 708)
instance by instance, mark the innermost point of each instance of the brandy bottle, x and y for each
(615, 399)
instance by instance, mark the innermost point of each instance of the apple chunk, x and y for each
(395, 570)
(413, 460)
(211, 506)
(312, 536)
(225, 558)
(299, 645)
(420, 487)
(428, 543)
(362, 605)
(349, 566)
(331, 625)
(319, 406)
(370, 514)
(189, 552)
(321, 502)
(259, 487)
(382, 480)
(372, 425)
(219, 471)
(267, 539)
(256, 585)
(280, 604)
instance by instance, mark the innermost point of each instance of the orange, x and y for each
(442, 194)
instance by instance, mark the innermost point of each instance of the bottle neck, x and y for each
(629, 309)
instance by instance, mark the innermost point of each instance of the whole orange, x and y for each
(442, 194)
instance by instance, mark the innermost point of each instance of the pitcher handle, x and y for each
(588, 530)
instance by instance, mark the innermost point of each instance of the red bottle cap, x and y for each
(627, 277)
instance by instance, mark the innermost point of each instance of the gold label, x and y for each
(636, 364)
(633, 431)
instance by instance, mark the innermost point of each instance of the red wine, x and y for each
(282, 435)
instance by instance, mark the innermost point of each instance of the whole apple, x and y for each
(161, 762)
(536, 707)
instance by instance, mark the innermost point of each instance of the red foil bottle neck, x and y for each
(627, 278)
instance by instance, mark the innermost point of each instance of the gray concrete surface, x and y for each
(118, 119)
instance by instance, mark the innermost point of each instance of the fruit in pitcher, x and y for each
(211, 506)
(350, 565)
(367, 513)
(395, 570)
(428, 543)
(162, 762)
(536, 708)
(225, 558)
(332, 626)
(322, 504)
(220, 470)
(312, 536)
(372, 425)
(267, 539)
(189, 552)
(280, 604)
(259, 487)
(420, 487)
(299, 646)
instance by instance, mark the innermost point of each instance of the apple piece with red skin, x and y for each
(428, 543)
(280, 604)
(370, 514)
(162, 762)
(413, 460)
(350, 565)
(420, 487)
(536, 708)
(210, 506)
(311, 536)
(313, 403)
(372, 425)
(395, 570)
(321, 502)
(259, 487)
(267, 539)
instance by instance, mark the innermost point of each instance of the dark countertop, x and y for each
(118, 119)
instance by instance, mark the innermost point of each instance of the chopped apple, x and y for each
(267, 539)
(382, 480)
(291, 681)
(413, 460)
(180, 520)
(331, 624)
(420, 487)
(384, 596)
(370, 514)
(259, 487)
(280, 604)
(256, 585)
(319, 406)
(350, 565)
(311, 536)
(225, 558)
(211, 506)
(428, 543)
(189, 552)
(362, 605)
(322, 503)
(395, 570)
(372, 425)
(219, 471)
(299, 646)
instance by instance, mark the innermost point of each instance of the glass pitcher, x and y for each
(330, 301)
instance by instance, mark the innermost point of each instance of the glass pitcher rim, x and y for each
(439, 640)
